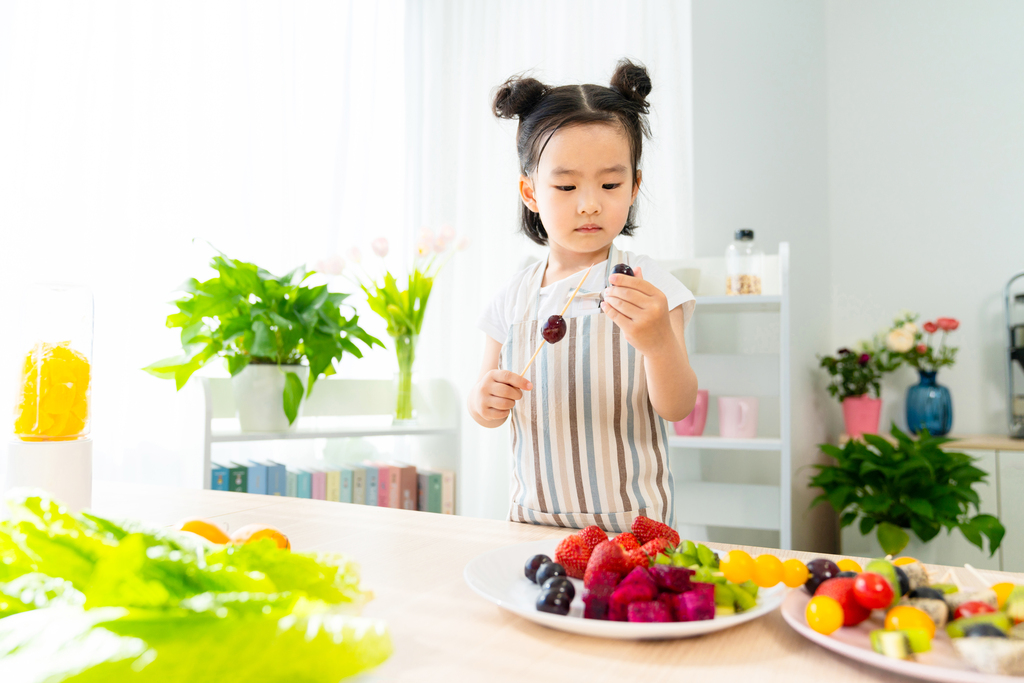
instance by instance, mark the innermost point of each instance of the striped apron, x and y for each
(587, 446)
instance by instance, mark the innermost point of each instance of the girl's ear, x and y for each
(636, 186)
(527, 195)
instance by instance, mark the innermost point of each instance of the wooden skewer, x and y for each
(977, 575)
(566, 308)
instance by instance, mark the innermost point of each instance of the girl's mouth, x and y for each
(589, 228)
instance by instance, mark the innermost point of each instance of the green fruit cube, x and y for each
(893, 644)
(955, 629)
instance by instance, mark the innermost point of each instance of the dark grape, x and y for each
(904, 580)
(554, 329)
(554, 602)
(561, 584)
(623, 269)
(983, 631)
(846, 575)
(533, 564)
(926, 592)
(547, 570)
(820, 570)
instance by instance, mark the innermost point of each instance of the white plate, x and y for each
(498, 576)
(942, 663)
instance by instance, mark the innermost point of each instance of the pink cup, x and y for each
(693, 424)
(737, 417)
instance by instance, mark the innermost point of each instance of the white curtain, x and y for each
(462, 167)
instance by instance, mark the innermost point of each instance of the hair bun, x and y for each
(632, 81)
(517, 97)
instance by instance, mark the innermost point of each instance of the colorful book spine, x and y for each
(291, 488)
(447, 492)
(429, 491)
(257, 478)
(383, 485)
(359, 484)
(371, 484)
(345, 495)
(238, 478)
(304, 483)
(219, 477)
(277, 479)
(333, 485)
(319, 485)
(407, 486)
(395, 486)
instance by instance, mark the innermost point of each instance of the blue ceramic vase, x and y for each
(929, 406)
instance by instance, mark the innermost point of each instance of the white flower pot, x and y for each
(259, 397)
(61, 468)
(853, 543)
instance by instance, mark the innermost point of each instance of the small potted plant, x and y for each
(929, 404)
(907, 484)
(855, 379)
(264, 327)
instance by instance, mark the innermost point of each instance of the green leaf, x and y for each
(921, 507)
(847, 519)
(165, 369)
(263, 345)
(972, 534)
(991, 527)
(292, 396)
(237, 363)
(866, 525)
(892, 538)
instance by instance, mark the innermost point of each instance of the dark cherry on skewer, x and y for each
(554, 329)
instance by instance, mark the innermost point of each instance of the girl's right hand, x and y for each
(496, 394)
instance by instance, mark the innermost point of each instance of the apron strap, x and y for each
(532, 310)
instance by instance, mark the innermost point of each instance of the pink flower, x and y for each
(355, 255)
(930, 327)
(423, 248)
(380, 246)
(947, 324)
(922, 349)
(864, 358)
(426, 234)
(332, 265)
(447, 233)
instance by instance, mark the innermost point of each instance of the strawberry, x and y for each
(646, 529)
(841, 588)
(592, 536)
(608, 557)
(638, 558)
(573, 554)
(627, 541)
(656, 546)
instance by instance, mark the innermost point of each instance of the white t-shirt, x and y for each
(507, 305)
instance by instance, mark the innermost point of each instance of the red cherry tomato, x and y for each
(872, 591)
(973, 609)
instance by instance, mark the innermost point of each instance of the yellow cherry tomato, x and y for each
(824, 614)
(848, 565)
(737, 566)
(906, 617)
(794, 573)
(901, 561)
(1003, 591)
(767, 571)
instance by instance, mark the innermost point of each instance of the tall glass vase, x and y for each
(929, 406)
(405, 348)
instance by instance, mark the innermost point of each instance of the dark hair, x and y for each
(542, 110)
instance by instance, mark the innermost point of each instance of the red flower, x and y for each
(930, 327)
(922, 349)
(947, 324)
(864, 358)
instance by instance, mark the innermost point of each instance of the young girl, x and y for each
(588, 421)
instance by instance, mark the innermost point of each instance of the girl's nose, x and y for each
(589, 205)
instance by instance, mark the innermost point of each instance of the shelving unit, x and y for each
(742, 505)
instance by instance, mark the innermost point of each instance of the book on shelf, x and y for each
(219, 477)
(447, 492)
(277, 481)
(304, 484)
(371, 483)
(358, 484)
(383, 484)
(319, 485)
(345, 491)
(257, 481)
(394, 485)
(429, 490)
(333, 485)
(291, 488)
(405, 477)
(238, 478)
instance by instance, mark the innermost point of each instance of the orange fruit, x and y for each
(902, 561)
(205, 528)
(250, 533)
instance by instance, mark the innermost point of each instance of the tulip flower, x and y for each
(330, 266)
(380, 246)
(922, 349)
(930, 327)
(947, 324)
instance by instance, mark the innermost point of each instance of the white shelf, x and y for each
(745, 506)
(749, 303)
(354, 432)
(720, 443)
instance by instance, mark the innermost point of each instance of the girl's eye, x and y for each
(611, 186)
(565, 188)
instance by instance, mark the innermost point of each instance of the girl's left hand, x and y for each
(640, 310)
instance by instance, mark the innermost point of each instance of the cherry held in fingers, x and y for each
(554, 329)
(623, 269)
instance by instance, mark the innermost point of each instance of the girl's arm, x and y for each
(495, 394)
(641, 311)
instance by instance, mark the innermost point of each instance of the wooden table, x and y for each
(443, 631)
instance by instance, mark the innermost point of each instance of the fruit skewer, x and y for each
(566, 308)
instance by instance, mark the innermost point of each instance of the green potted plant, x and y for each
(855, 379)
(905, 484)
(276, 335)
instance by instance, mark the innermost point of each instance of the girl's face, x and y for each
(583, 187)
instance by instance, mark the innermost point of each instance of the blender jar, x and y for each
(744, 265)
(53, 388)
